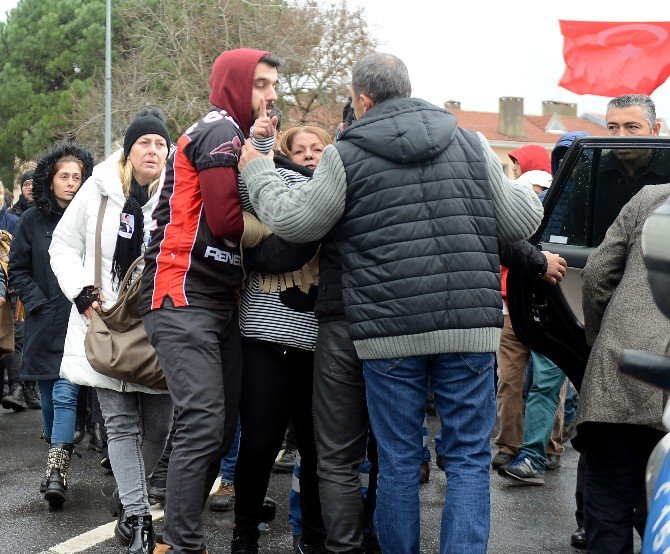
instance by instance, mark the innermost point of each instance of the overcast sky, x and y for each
(476, 51)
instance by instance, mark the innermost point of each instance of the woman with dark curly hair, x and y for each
(58, 176)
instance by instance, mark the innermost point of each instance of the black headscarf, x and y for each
(129, 249)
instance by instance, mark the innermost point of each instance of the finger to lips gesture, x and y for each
(264, 126)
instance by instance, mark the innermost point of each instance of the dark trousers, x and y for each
(159, 474)
(12, 361)
(614, 496)
(579, 490)
(276, 387)
(199, 352)
(341, 431)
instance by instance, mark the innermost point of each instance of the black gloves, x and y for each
(86, 297)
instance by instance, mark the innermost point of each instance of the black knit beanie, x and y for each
(26, 176)
(149, 121)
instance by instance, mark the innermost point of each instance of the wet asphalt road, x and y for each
(523, 519)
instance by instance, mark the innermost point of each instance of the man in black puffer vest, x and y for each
(416, 207)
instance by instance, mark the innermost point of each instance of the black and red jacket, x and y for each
(194, 255)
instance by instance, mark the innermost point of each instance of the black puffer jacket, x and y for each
(418, 238)
(30, 274)
(21, 205)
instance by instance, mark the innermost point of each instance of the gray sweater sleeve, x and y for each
(518, 210)
(302, 213)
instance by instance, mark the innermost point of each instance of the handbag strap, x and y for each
(97, 277)
(129, 273)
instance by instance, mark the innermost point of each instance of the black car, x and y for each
(598, 176)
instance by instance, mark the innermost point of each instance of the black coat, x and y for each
(47, 308)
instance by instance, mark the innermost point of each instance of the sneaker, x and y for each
(552, 461)
(501, 459)
(424, 473)
(578, 539)
(286, 461)
(15, 400)
(223, 499)
(521, 471)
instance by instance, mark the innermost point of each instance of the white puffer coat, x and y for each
(72, 255)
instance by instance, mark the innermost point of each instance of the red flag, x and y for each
(609, 59)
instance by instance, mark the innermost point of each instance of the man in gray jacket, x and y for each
(415, 206)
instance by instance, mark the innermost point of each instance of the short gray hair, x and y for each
(381, 77)
(629, 100)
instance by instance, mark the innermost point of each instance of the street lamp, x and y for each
(108, 80)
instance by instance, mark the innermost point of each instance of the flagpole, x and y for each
(108, 80)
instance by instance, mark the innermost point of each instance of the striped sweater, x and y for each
(262, 314)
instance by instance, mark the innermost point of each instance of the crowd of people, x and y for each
(288, 280)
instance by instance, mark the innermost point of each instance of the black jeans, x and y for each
(159, 474)
(342, 430)
(276, 387)
(199, 352)
(614, 496)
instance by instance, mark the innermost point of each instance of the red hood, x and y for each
(231, 83)
(532, 156)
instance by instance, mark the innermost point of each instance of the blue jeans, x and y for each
(465, 401)
(541, 409)
(59, 409)
(570, 407)
(229, 461)
(425, 451)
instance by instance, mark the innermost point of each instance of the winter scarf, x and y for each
(128, 249)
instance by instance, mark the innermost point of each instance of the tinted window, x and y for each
(566, 224)
(600, 183)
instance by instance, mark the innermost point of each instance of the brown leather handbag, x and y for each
(116, 342)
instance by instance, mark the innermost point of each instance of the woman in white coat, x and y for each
(137, 418)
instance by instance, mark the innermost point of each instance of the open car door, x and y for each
(598, 176)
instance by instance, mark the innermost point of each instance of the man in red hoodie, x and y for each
(529, 157)
(512, 354)
(192, 269)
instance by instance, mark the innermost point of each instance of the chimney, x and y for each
(510, 116)
(452, 105)
(550, 107)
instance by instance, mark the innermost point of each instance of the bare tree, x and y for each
(165, 50)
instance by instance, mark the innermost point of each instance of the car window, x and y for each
(566, 223)
(600, 182)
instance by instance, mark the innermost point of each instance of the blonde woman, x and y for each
(137, 418)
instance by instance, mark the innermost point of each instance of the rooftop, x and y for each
(542, 129)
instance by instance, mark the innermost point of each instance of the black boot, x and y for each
(58, 463)
(30, 394)
(142, 535)
(122, 529)
(15, 400)
(79, 428)
(43, 484)
(97, 440)
(244, 545)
